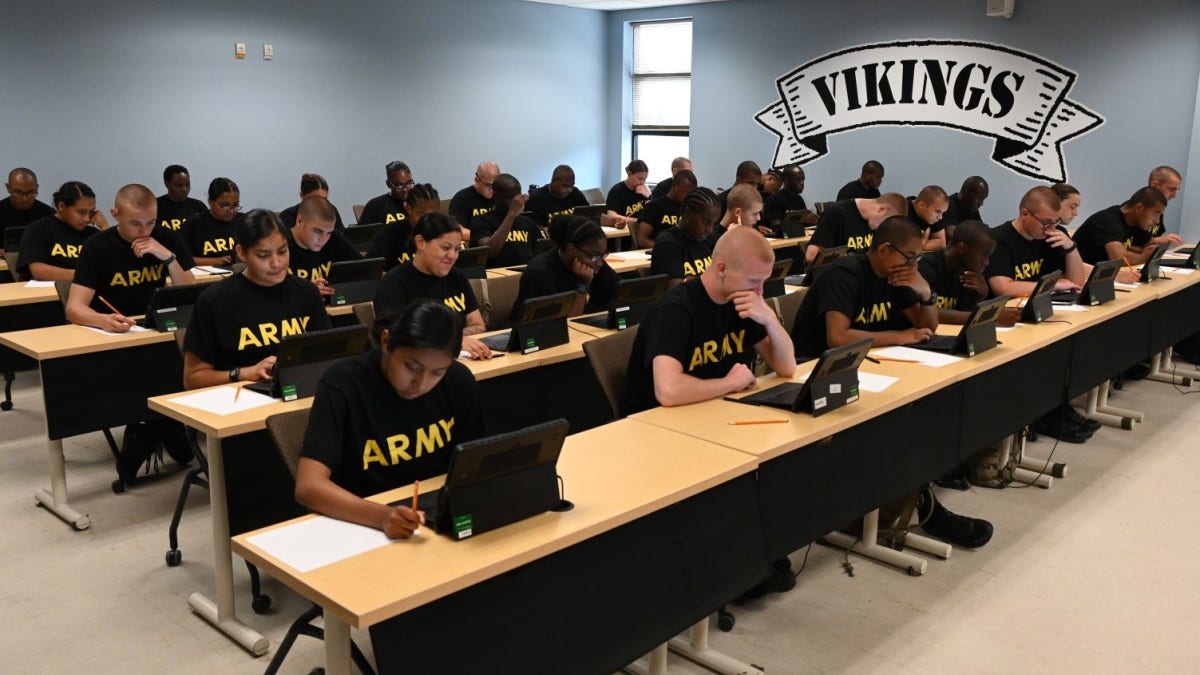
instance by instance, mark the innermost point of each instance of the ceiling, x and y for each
(619, 4)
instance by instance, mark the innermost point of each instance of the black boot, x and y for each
(960, 531)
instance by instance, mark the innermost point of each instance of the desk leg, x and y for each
(1103, 406)
(56, 499)
(696, 648)
(1181, 376)
(654, 663)
(869, 547)
(1094, 411)
(1031, 470)
(337, 645)
(223, 614)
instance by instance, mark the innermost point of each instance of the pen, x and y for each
(738, 423)
(872, 359)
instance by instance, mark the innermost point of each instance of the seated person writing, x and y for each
(851, 223)
(508, 235)
(237, 322)
(430, 275)
(787, 198)
(124, 264)
(50, 246)
(388, 417)
(210, 235)
(557, 198)
(314, 243)
(663, 212)
(955, 274)
(627, 198)
(1122, 231)
(576, 263)
(394, 242)
(686, 250)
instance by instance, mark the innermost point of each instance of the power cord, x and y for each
(1045, 466)
(846, 566)
(803, 563)
(1174, 379)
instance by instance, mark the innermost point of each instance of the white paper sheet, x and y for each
(1128, 287)
(922, 357)
(609, 231)
(318, 541)
(631, 255)
(1005, 329)
(205, 269)
(39, 284)
(1069, 308)
(1178, 270)
(132, 329)
(866, 381)
(220, 401)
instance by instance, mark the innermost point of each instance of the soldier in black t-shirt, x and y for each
(430, 273)
(1167, 181)
(745, 208)
(314, 243)
(787, 198)
(955, 274)
(698, 341)
(387, 418)
(475, 199)
(866, 186)
(559, 197)
(663, 212)
(21, 207)
(1122, 231)
(176, 205)
(928, 211)
(965, 204)
(771, 181)
(851, 223)
(1031, 245)
(50, 247)
(394, 242)
(879, 295)
(576, 263)
(388, 207)
(210, 235)
(508, 235)
(237, 322)
(311, 185)
(627, 198)
(123, 265)
(747, 173)
(664, 186)
(685, 251)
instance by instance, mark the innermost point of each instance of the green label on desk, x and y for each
(339, 300)
(970, 349)
(169, 325)
(621, 325)
(463, 526)
(289, 392)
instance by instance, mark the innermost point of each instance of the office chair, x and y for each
(501, 296)
(287, 430)
(608, 357)
(10, 257)
(365, 313)
(788, 306)
(594, 195)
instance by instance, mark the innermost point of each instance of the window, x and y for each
(662, 93)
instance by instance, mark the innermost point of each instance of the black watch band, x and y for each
(1068, 250)
(931, 301)
(234, 373)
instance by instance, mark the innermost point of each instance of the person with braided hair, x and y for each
(576, 263)
(685, 250)
(394, 242)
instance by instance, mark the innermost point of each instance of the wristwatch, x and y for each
(234, 372)
(1068, 250)
(168, 261)
(582, 288)
(931, 301)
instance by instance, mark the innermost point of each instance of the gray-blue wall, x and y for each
(1137, 64)
(110, 93)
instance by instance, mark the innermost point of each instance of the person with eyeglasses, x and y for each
(476, 198)
(388, 207)
(314, 243)
(1034, 244)
(210, 235)
(576, 263)
(852, 222)
(21, 207)
(51, 246)
(312, 185)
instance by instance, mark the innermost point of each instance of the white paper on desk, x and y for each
(1005, 329)
(631, 255)
(132, 329)
(221, 272)
(1069, 308)
(1172, 255)
(1179, 270)
(39, 284)
(1128, 287)
(220, 401)
(612, 230)
(317, 542)
(925, 358)
(866, 381)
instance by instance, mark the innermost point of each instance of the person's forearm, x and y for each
(1011, 287)
(927, 317)
(180, 276)
(682, 389)
(205, 377)
(779, 351)
(882, 338)
(1075, 269)
(810, 253)
(85, 316)
(953, 316)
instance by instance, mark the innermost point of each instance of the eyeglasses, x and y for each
(483, 182)
(23, 193)
(401, 186)
(1046, 222)
(593, 258)
(909, 258)
(230, 208)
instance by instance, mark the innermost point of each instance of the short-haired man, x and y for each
(315, 243)
(678, 164)
(1031, 245)
(663, 212)
(965, 204)
(508, 235)
(1167, 181)
(748, 173)
(866, 186)
(389, 207)
(1118, 232)
(787, 198)
(477, 198)
(852, 222)
(928, 210)
(559, 197)
(745, 210)
(955, 274)
(21, 207)
(124, 264)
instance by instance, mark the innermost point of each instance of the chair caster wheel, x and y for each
(6, 405)
(118, 486)
(725, 621)
(261, 603)
(174, 557)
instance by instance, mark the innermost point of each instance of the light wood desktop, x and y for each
(17, 293)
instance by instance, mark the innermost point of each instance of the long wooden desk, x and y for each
(23, 308)
(661, 534)
(639, 259)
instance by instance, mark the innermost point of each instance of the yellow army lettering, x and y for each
(696, 267)
(518, 235)
(223, 245)
(879, 312)
(565, 212)
(137, 277)
(172, 224)
(457, 303)
(429, 440)
(396, 217)
(712, 352)
(861, 242)
(1028, 271)
(670, 220)
(480, 212)
(634, 209)
(269, 333)
(68, 251)
(404, 257)
(314, 272)
(947, 303)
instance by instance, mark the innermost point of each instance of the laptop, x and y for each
(362, 235)
(630, 304)
(774, 285)
(354, 281)
(1038, 307)
(1191, 261)
(823, 258)
(12, 238)
(303, 359)
(791, 227)
(497, 481)
(472, 262)
(593, 211)
(1097, 290)
(978, 334)
(832, 383)
(1150, 267)
(170, 307)
(542, 323)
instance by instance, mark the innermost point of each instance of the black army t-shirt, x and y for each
(546, 274)
(1102, 227)
(950, 292)
(518, 247)
(172, 214)
(306, 264)
(11, 217)
(208, 237)
(933, 228)
(778, 204)
(662, 188)
(236, 322)
(545, 206)
(383, 209)
(849, 286)
(856, 190)
(109, 267)
(678, 256)
(406, 283)
(661, 214)
(1020, 259)
(393, 243)
(955, 213)
(624, 201)
(53, 242)
(468, 203)
(374, 440)
(686, 325)
(841, 224)
(288, 216)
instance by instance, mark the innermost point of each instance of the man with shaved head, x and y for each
(1031, 245)
(664, 186)
(866, 186)
(124, 264)
(928, 210)
(1167, 181)
(476, 198)
(964, 205)
(21, 207)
